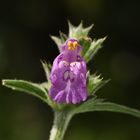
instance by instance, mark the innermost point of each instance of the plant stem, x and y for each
(61, 121)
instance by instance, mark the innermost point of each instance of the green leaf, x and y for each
(93, 49)
(94, 83)
(58, 41)
(28, 87)
(85, 43)
(63, 36)
(79, 31)
(87, 105)
(47, 69)
(97, 105)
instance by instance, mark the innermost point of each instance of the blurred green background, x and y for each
(25, 27)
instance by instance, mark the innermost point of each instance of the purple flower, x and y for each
(68, 75)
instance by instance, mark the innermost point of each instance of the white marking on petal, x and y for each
(63, 63)
(66, 75)
(71, 75)
(78, 64)
(73, 64)
(71, 68)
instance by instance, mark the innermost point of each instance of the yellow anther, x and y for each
(70, 44)
(74, 47)
(69, 48)
(75, 44)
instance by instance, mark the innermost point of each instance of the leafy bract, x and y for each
(28, 87)
(89, 47)
(59, 40)
(99, 105)
(79, 31)
(47, 69)
(94, 83)
(93, 49)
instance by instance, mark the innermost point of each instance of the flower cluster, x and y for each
(68, 75)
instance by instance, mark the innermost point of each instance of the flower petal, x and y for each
(60, 97)
(68, 78)
(69, 98)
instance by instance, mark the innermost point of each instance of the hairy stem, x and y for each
(61, 121)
